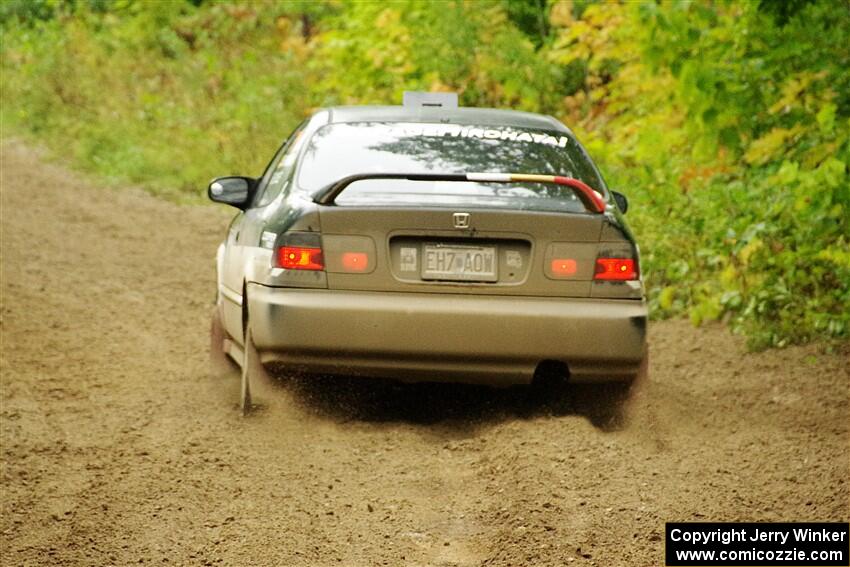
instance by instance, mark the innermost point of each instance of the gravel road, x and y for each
(120, 445)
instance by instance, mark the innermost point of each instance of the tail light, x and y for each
(299, 258)
(563, 267)
(616, 269)
(355, 261)
(299, 251)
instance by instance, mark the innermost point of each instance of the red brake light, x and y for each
(355, 261)
(300, 258)
(620, 269)
(563, 266)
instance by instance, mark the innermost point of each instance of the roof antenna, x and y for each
(429, 100)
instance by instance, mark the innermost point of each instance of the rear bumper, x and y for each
(442, 337)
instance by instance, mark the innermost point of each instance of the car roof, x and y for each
(462, 115)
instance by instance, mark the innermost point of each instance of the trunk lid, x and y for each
(472, 251)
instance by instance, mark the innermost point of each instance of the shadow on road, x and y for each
(341, 398)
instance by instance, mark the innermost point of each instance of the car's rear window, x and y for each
(339, 150)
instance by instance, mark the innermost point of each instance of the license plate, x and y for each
(459, 263)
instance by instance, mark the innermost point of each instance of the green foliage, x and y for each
(373, 52)
(727, 124)
(23, 12)
(531, 17)
(160, 93)
(743, 163)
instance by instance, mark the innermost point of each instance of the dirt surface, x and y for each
(120, 446)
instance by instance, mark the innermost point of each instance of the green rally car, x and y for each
(427, 242)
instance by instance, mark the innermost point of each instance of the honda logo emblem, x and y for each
(461, 220)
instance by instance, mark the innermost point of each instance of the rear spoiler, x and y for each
(590, 198)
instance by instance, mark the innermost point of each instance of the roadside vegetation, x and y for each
(726, 124)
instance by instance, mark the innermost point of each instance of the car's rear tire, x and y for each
(252, 372)
(608, 404)
(219, 359)
(613, 400)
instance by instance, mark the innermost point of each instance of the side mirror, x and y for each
(234, 191)
(622, 202)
